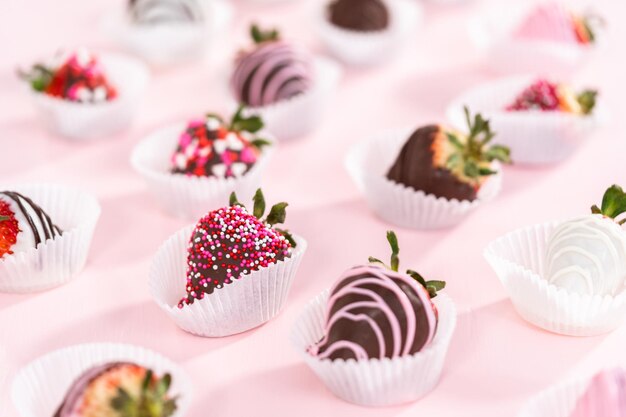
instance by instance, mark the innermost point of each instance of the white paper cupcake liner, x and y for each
(535, 137)
(190, 197)
(367, 48)
(40, 387)
(376, 382)
(518, 260)
(88, 121)
(300, 115)
(171, 44)
(491, 34)
(56, 261)
(368, 163)
(242, 305)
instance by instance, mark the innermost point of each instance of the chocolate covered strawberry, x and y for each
(231, 242)
(587, 255)
(551, 21)
(446, 163)
(79, 77)
(376, 312)
(213, 148)
(23, 224)
(548, 96)
(118, 389)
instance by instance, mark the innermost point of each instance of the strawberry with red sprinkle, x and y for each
(213, 148)
(231, 242)
(544, 95)
(79, 78)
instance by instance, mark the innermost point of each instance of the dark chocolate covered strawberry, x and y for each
(447, 163)
(376, 312)
(118, 389)
(231, 242)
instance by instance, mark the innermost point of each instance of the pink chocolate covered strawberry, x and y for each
(79, 77)
(213, 148)
(548, 96)
(118, 389)
(554, 22)
(231, 242)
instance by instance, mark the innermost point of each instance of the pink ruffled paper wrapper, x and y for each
(300, 115)
(166, 45)
(562, 400)
(56, 261)
(361, 48)
(368, 163)
(535, 137)
(242, 305)
(498, 33)
(191, 197)
(90, 121)
(518, 258)
(375, 382)
(40, 387)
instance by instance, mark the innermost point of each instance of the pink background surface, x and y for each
(496, 360)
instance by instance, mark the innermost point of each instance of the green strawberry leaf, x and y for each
(587, 100)
(259, 204)
(232, 201)
(260, 36)
(498, 153)
(613, 202)
(260, 143)
(3, 218)
(395, 250)
(287, 236)
(277, 214)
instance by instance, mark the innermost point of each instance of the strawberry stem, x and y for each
(587, 100)
(613, 203)
(260, 36)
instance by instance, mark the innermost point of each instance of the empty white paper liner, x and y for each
(376, 382)
(242, 305)
(55, 261)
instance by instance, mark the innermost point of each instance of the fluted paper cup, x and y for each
(403, 206)
(89, 121)
(169, 44)
(376, 382)
(368, 47)
(185, 196)
(534, 136)
(300, 115)
(56, 261)
(518, 258)
(492, 34)
(244, 304)
(39, 388)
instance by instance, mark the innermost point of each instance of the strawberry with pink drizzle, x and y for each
(79, 78)
(548, 96)
(376, 312)
(213, 148)
(118, 389)
(605, 396)
(553, 22)
(229, 243)
(273, 71)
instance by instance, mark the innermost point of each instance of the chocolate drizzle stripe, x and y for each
(48, 228)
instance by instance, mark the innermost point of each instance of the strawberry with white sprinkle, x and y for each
(230, 242)
(77, 77)
(212, 148)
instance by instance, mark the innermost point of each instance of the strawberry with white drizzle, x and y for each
(587, 255)
(213, 148)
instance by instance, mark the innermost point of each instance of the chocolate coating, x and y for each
(272, 72)
(415, 168)
(374, 312)
(360, 15)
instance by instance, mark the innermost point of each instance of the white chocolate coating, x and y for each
(587, 255)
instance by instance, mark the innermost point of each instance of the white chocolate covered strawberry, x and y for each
(587, 255)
